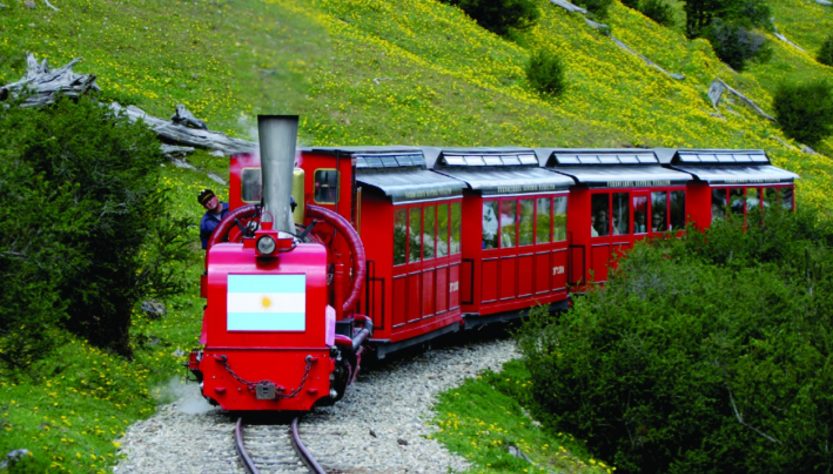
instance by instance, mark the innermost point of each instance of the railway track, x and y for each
(273, 448)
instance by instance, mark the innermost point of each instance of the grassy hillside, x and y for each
(374, 72)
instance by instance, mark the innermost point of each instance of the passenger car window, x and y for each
(525, 221)
(736, 200)
(250, 188)
(428, 232)
(542, 221)
(415, 234)
(559, 219)
(659, 211)
(400, 235)
(599, 215)
(621, 214)
(326, 186)
(508, 210)
(677, 210)
(455, 228)
(442, 230)
(490, 224)
(787, 198)
(640, 214)
(718, 204)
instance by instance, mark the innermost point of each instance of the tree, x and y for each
(805, 111)
(825, 55)
(499, 16)
(701, 13)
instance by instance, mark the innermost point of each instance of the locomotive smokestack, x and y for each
(277, 135)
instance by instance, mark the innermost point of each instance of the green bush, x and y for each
(77, 196)
(546, 73)
(707, 354)
(825, 55)
(805, 111)
(597, 7)
(735, 44)
(700, 14)
(500, 16)
(657, 10)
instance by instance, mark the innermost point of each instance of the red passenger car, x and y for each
(514, 240)
(409, 219)
(733, 181)
(620, 196)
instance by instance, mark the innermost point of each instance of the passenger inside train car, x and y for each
(514, 240)
(620, 196)
(733, 182)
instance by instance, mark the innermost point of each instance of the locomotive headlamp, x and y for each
(266, 245)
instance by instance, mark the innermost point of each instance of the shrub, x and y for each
(805, 111)
(825, 55)
(657, 10)
(77, 190)
(596, 7)
(546, 73)
(681, 364)
(735, 45)
(499, 16)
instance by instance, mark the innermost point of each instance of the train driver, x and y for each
(215, 211)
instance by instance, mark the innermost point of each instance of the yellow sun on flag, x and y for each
(265, 302)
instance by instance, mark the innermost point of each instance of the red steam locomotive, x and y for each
(393, 246)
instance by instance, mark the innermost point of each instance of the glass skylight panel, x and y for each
(726, 158)
(455, 160)
(493, 160)
(511, 160)
(628, 159)
(475, 160)
(708, 158)
(567, 159)
(609, 159)
(529, 160)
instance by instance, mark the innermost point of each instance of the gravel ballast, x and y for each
(382, 423)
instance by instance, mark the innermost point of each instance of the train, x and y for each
(392, 246)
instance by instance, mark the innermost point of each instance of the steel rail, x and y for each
(302, 450)
(248, 462)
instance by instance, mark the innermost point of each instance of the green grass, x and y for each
(368, 72)
(485, 417)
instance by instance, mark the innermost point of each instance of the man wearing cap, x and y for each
(215, 211)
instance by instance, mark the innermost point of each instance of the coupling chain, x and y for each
(251, 385)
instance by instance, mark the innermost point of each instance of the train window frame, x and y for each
(316, 185)
(596, 201)
(558, 214)
(507, 229)
(543, 236)
(245, 183)
(429, 249)
(403, 211)
(677, 219)
(525, 218)
(456, 222)
(414, 255)
(443, 248)
(490, 212)
(616, 201)
(654, 226)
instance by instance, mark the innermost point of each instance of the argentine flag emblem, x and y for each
(266, 303)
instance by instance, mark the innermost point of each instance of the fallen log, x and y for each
(177, 134)
(718, 87)
(41, 86)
